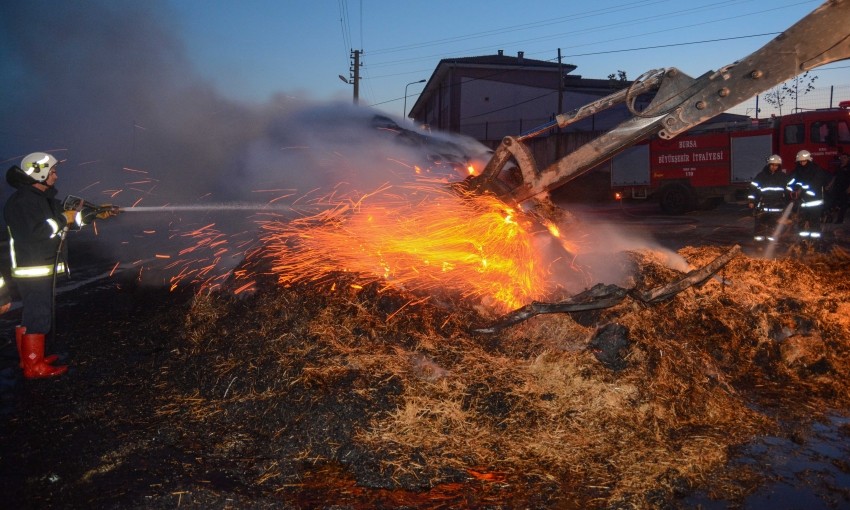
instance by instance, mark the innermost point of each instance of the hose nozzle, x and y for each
(73, 203)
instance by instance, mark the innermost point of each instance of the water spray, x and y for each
(78, 204)
(235, 206)
(778, 231)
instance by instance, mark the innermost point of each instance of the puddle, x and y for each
(810, 473)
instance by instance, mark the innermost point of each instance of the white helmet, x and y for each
(37, 165)
(804, 155)
(774, 160)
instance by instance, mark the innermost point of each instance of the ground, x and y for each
(328, 396)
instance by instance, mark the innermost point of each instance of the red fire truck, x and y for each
(705, 166)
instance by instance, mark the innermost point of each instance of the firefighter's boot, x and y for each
(19, 335)
(32, 355)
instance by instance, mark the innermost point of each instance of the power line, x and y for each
(524, 26)
(346, 34)
(547, 94)
(606, 26)
(706, 41)
(638, 21)
(672, 45)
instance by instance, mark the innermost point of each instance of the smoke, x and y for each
(598, 246)
(609, 266)
(106, 86)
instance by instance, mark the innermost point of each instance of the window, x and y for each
(793, 134)
(821, 131)
(843, 131)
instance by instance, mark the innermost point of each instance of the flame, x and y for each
(421, 237)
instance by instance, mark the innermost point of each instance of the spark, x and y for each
(90, 185)
(421, 237)
(243, 288)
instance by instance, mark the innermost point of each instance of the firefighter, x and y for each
(37, 224)
(838, 190)
(806, 188)
(768, 199)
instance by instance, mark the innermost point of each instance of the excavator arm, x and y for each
(679, 103)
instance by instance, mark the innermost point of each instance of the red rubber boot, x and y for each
(19, 335)
(32, 349)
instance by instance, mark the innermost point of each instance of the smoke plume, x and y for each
(107, 88)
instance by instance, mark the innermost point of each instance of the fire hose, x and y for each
(71, 203)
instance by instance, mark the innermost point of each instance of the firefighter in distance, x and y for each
(806, 188)
(838, 191)
(768, 199)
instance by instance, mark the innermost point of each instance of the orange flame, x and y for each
(421, 237)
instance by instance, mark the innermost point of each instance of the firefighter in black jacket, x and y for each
(768, 198)
(838, 190)
(806, 187)
(37, 224)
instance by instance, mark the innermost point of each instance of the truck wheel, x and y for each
(675, 199)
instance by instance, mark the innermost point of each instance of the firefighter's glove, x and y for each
(101, 212)
(107, 211)
(89, 214)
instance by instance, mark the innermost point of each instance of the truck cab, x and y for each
(824, 133)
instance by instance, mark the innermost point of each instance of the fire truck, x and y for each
(675, 165)
(716, 162)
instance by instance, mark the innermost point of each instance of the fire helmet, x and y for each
(37, 165)
(804, 155)
(774, 160)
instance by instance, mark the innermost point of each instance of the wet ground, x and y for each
(101, 436)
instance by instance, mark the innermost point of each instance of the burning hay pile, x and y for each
(365, 394)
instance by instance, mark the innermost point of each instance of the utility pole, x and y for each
(354, 74)
(355, 70)
(560, 105)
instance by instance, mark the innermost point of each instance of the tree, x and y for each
(618, 80)
(790, 91)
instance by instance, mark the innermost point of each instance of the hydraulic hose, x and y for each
(53, 285)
